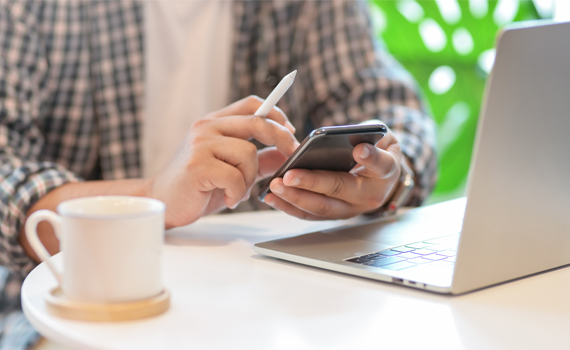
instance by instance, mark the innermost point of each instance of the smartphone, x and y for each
(329, 148)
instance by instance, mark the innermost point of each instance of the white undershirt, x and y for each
(187, 63)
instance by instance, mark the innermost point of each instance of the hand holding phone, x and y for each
(329, 148)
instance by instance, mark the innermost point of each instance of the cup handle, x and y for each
(34, 240)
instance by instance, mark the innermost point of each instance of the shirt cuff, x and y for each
(19, 190)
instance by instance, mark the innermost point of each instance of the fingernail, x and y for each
(364, 153)
(269, 201)
(294, 181)
(277, 189)
(234, 206)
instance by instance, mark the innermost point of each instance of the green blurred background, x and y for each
(448, 46)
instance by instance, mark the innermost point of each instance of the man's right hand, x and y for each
(216, 166)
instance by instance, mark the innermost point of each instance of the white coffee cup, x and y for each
(111, 247)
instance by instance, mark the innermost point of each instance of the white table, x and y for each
(227, 297)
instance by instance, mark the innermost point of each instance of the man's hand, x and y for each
(216, 165)
(326, 195)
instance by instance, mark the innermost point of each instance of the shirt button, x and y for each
(271, 81)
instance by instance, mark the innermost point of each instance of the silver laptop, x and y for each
(517, 217)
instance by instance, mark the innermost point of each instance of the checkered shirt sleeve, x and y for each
(344, 76)
(23, 177)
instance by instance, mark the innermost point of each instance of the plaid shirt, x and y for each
(71, 90)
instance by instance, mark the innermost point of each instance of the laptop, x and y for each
(517, 216)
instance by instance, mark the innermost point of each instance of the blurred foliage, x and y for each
(407, 27)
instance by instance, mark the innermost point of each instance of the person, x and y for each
(72, 121)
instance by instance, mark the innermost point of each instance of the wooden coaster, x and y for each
(57, 305)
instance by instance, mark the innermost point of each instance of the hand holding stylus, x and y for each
(217, 165)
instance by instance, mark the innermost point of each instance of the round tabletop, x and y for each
(225, 296)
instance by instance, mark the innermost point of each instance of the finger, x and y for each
(269, 161)
(224, 176)
(387, 140)
(313, 203)
(277, 115)
(264, 130)
(334, 184)
(279, 204)
(390, 144)
(238, 153)
(216, 202)
(248, 106)
(378, 162)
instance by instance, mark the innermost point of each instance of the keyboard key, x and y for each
(402, 249)
(387, 261)
(437, 247)
(419, 261)
(377, 257)
(434, 257)
(389, 252)
(448, 253)
(399, 266)
(418, 245)
(408, 255)
(423, 252)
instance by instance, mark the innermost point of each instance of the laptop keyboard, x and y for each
(434, 252)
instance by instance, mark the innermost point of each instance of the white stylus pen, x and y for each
(276, 94)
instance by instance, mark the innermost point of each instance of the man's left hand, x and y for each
(329, 195)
